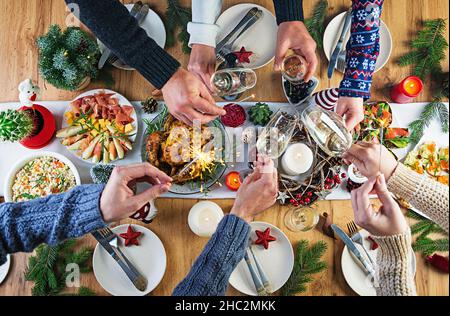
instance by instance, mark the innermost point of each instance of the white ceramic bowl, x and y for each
(7, 191)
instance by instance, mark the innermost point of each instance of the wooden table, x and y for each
(18, 56)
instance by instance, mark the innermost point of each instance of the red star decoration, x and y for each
(131, 237)
(243, 56)
(264, 238)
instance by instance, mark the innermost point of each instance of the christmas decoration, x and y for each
(178, 16)
(327, 99)
(68, 59)
(307, 262)
(149, 106)
(264, 238)
(47, 268)
(243, 56)
(373, 243)
(131, 237)
(235, 115)
(282, 197)
(428, 49)
(439, 262)
(28, 92)
(233, 181)
(316, 24)
(260, 113)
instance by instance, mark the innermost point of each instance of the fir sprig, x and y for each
(435, 110)
(307, 262)
(428, 49)
(47, 268)
(316, 24)
(178, 16)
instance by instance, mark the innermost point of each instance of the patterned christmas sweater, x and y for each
(362, 49)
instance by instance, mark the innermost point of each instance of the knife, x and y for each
(352, 248)
(340, 43)
(107, 52)
(135, 279)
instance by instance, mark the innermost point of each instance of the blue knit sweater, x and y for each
(25, 225)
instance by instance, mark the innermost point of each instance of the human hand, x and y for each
(389, 220)
(295, 36)
(118, 200)
(202, 63)
(258, 192)
(366, 157)
(188, 99)
(353, 109)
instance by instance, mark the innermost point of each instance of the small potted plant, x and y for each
(68, 59)
(33, 125)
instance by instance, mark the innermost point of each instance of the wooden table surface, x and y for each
(18, 61)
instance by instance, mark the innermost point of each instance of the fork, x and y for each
(356, 236)
(112, 239)
(341, 62)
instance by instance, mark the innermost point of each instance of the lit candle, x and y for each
(204, 217)
(407, 90)
(233, 180)
(297, 159)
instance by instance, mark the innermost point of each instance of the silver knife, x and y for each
(352, 248)
(135, 279)
(107, 52)
(340, 43)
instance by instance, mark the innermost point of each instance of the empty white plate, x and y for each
(149, 258)
(4, 268)
(155, 29)
(355, 276)
(334, 29)
(261, 38)
(277, 261)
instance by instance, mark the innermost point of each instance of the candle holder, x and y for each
(407, 90)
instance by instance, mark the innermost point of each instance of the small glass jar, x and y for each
(293, 68)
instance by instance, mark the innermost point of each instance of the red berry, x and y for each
(343, 175)
(292, 201)
(336, 177)
(338, 181)
(327, 186)
(328, 180)
(309, 194)
(296, 204)
(307, 200)
(299, 196)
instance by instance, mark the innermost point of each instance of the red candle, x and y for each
(407, 90)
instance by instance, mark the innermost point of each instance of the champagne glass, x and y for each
(301, 219)
(277, 134)
(233, 81)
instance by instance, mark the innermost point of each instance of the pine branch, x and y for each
(428, 246)
(307, 262)
(178, 16)
(316, 24)
(428, 49)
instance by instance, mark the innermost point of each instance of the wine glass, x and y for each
(233, 81)
(301, 219)
(277, 134)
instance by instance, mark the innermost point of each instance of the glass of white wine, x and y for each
(301, 219)
(233, 81)
(277, 134)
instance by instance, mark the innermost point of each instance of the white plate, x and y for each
(277, 261)
(5, 268)
(7, 189)
(155, 29)
(334, 29)
(355, 276)
(122, 101)
(261, 38)
(149, 258)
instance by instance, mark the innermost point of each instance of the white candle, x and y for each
(297, 159)
(204, 217)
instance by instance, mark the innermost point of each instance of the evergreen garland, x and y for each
(428, 49)
(67, 57)
(307, 262)
(435, 110)
(316, 24)
(423, 228)
(178, 16)
(47, 268)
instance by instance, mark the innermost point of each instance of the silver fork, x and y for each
(112, 239)
(341, 62)
(356, 236)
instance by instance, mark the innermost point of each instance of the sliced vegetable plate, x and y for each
(99, 126)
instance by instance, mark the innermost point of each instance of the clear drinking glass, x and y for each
(301, 219)
(327, 129)
(233, 81)
(293, 68)
(277, 134)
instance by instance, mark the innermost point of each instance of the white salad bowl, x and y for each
(7, 191)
